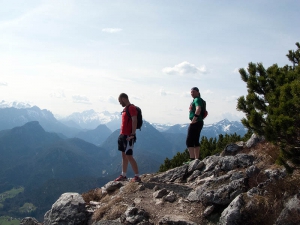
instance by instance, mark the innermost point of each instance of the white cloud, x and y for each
(208, 92)
(184, 68)
(112, 30)
(80, 99)
(15, 104)
(232, 116)
(57, 94)
(135, 98)
(185, 94)
(3, 84)
(109, 99)
(162, 92)
(231, 98)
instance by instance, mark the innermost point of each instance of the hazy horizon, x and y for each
(72, 56)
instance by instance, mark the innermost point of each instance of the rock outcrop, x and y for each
(68, 209)
(242, 185)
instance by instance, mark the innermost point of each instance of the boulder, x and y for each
(232, 214)
(112, 186)
(220, 190)
(232, 149)
(178, 173)
(160, 193)
(290, 215)
(29, 221)
(68, 209)
(254, 140)
(134, 215)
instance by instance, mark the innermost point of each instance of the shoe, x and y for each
(187, 163)
(121, 178)
(136, 179)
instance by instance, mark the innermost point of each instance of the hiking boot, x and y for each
(136, 179)
(121, 178)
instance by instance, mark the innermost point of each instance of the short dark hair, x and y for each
(123, 95)
(195, 89)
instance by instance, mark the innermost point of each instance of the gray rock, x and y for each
(175, 220)
(160, 193)
(221, 190)
(254, 140)
(232, 149)
(232, 214)
(237, 175)
(106, 222)
(208, 210)
(210, 162)
(195, 165)
(178, 173)
(228, 163)
(171, 197)
(194, 175)
(244, 160)
(68, 209)
(156, 188)
(112, 186)
(275, 174)
(135, 216)
(29, 221)
(290, 215)
(251, 171)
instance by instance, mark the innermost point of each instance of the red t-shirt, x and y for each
(126, 126)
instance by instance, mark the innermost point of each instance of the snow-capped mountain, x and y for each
(161, 127)
(90, 119)
(213, 130)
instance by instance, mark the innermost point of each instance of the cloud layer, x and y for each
(111, 30)
(184, 68)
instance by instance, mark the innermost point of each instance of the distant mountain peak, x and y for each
(32, 126)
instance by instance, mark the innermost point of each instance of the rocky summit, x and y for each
(242, 185)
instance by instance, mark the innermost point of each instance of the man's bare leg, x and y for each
(124, 163)
(133, 164)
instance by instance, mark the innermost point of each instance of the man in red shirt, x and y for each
(127, 138)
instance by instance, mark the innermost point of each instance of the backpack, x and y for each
(203, 112)
(139, 116)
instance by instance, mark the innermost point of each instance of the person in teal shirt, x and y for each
(196, 125)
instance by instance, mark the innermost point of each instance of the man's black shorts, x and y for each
(194, 130)
(124, 145)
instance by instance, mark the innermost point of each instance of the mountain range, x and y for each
(47, 156)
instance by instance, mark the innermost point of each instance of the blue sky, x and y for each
(71, 56)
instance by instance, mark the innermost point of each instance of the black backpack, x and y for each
(139, 116)
(203, 112)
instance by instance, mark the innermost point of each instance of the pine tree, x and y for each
(272, 105)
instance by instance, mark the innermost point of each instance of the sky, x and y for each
(71, 56)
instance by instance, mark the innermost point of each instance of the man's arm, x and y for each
(134, 124)
(197, 112)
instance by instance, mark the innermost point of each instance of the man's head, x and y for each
(123, 99)
(195, 92)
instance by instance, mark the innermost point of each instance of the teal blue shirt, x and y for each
(196, 102)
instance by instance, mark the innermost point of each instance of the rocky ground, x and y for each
(242, 185)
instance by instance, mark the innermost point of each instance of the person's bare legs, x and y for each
(197, 152)
(194, 152)
(124, 162)
(133, 164)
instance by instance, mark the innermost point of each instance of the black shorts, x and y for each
(194, 130)
(124, 145)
